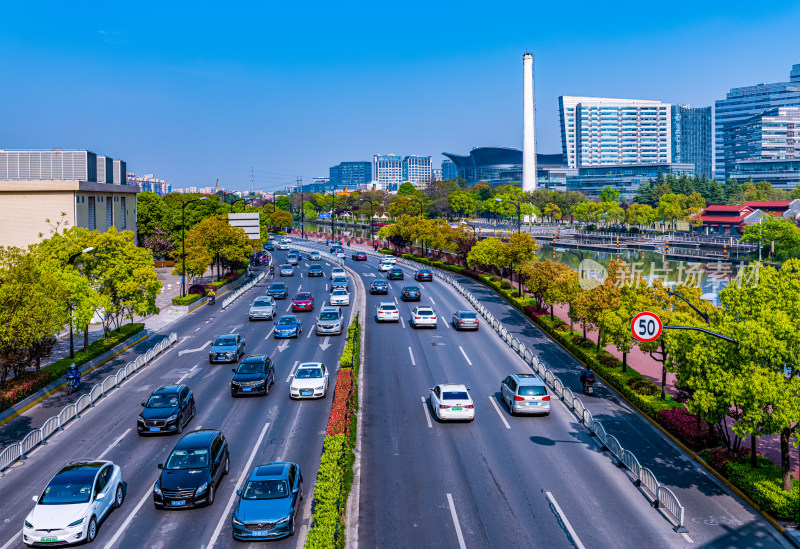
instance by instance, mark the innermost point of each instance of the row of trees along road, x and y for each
(41, 292)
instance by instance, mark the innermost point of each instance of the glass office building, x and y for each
(602, 130)
(387, 170)
(743, 103)
(781, 174)
(691, 138)
(501, 165)
(449, 170)
(417, 170)
(773, 135)
(350, 175)
(626, 178)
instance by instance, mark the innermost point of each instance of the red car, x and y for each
(303, 301)
(359, 256)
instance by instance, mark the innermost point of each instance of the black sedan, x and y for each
(424, 275)
(167, 410)
(315, 269)
(464, 320)
(193, 470)
(379, 287)
(395, 273)
(253, 376)
(410, 293)
(278, 290)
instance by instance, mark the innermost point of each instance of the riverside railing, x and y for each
(39, 437)
(662, 496)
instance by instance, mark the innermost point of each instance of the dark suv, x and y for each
(253, 376)
(424, 275)
(168, 409)
(193, 470)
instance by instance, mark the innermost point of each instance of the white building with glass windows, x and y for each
(600, 130)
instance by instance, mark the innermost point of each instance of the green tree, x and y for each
(781, 233)
(541, 276)
(552, 211)
(639, 214)
(281, 219)
(610, 194)
(521, 249)
(488, 251)
(461, 202)
(406, 188)
(152, 213)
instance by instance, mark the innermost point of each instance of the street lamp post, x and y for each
(421, 205)
(71, 261)
(183, 242)
(333, 215)
(519, 211)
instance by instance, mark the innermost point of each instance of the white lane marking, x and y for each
(148, 494)
(270, 332)
(15, 539)
(427, 412)
(432, 301)
(226, 513)
(403, 322)
(184, 376)
(310, 331)
(197, 329)
(301, 275)
(110, 446)
(291, 375)
(395, 301)
(446, 324)
(686, 537)
(499, 412)
(234, 328)
(326, 286)
(561, 514)
(300, 287)
(289, 308)
(455, 522)
(181, 353)
(465, 355)
(412, 357)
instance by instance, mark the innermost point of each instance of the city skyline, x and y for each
(195, 109)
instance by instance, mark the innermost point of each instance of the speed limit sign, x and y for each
(646, 327)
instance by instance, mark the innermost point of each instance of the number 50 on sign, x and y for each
(646, 327)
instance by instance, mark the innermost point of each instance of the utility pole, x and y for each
(302, 210)
(251, 179)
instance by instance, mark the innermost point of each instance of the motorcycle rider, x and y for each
(587, 377)
(212, 296)
(73, 375)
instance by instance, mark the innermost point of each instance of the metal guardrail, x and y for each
(38, 437)
(241, 290)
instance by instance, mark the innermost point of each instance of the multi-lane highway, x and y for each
(258, 429)
(498, 481)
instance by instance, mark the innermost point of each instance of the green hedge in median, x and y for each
(185, 299)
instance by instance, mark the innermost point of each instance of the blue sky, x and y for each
(197, 91)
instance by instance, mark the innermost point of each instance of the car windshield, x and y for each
(196, 458)
(467, 315)
(162, 401)
(340, 291)
(339, 279)
(454, 395)
(302, 297)
(308, 373)
(337, 270)
(532, 390)
(411, 289)
(329, 316)
(74, 486)
(424, 312)
(266, 489)
(315, 267)
(286, 267)
(388, 308)
(378, 282)
(277, 287)
(250, 367)
(224, 342)
(262, 303)
(286, 321)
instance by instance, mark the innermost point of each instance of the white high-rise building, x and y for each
(601, 130)
(417, 170)
(387, 169)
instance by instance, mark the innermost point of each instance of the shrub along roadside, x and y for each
(335, 476)
(18, 389)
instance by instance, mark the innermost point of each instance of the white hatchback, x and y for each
(450, 401)
(75, 500)
(387, 312)
(338, 271)
(385, 266)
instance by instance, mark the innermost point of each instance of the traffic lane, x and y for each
(213, 375)
(483, 349)
(712, 511)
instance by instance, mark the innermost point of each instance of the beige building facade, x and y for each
(27, 206)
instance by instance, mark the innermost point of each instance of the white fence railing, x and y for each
(664, 497)
(37, 437)
(242, 289)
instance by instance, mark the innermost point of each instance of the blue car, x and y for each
(288, 326)
(268, 503)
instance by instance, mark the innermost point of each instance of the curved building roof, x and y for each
(497, 157)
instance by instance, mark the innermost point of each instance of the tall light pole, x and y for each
(519, 210)
(333, 214)
(371, 214)
(421, 205)
(183, 242)
(71, 261)
(302, 210)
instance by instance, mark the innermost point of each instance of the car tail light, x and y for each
(444, 406)
(546, 398)
(469, 406)
(519, 398)
(460, 321)
(417, 318)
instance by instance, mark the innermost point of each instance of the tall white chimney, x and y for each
(528, 127)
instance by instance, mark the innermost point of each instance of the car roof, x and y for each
(315, 266)
(382, 303)
(379, 281)
(340, 290)
(197, 439)
(528, 378)
(310, 365)
(338, 268)
(298, 294)
(278, 284)
(227, 335)
(288, 316)
(423, 307)
(167, 389)
(453, 386)
(329, 310)
(83, 465)
(253, 358)
(276, 469)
